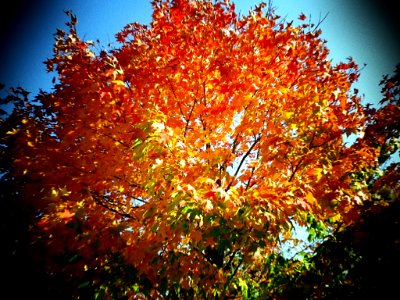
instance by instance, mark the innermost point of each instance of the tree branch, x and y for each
(295, 169)
(101, 199)
(230, 278)
(242, 161)
(252, 171)
(189, 117)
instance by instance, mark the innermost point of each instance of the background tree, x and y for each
(177, 164)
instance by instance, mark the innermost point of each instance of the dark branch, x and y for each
(242, 161)
(189, 117)
(295, 169)
(102, 200)
(252, 171)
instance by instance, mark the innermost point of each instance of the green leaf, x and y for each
(84, 284)
(243, 288)
(137, 142)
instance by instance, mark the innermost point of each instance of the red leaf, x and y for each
(302, 17)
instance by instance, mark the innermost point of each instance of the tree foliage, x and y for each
(358, 261)
(177, 163)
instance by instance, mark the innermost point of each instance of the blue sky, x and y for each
(357, 28)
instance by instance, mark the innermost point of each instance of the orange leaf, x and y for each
(66, 214)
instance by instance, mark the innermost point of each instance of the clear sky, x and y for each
(365, 30)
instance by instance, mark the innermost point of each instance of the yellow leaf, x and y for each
(64, 192)
(335, 218)
(54, 192)
(118, 82)
(318, 172)
(288, 114)
(310, 198)
(13, 131)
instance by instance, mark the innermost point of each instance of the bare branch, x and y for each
(242, 161)
(320, 21)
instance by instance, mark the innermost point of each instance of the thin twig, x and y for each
(242, 161)
(101, 202)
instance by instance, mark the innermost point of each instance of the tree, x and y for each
(357, 262)
(176, 164)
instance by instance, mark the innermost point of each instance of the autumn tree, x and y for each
(177, 163)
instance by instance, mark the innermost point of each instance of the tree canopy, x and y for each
(178, 163)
